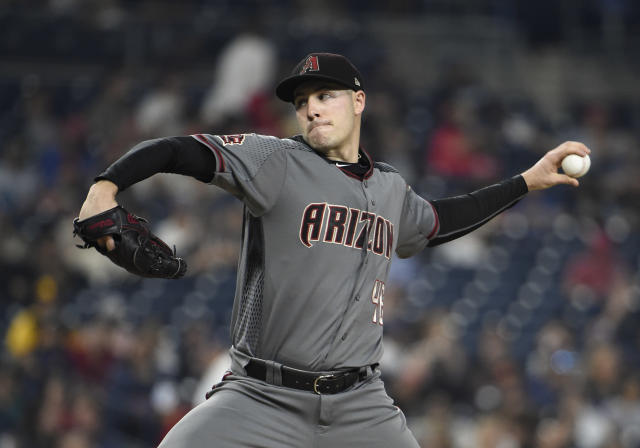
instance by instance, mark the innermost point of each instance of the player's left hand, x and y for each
(137, 249)
(544, 173)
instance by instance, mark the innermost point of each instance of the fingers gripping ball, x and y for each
(137, 249)
(576, 166)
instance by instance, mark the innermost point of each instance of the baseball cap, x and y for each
(320, 66)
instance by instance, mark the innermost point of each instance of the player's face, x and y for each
(328, 116)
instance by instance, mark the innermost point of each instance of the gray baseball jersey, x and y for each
(316, 250)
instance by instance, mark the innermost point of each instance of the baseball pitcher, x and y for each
(322, 220)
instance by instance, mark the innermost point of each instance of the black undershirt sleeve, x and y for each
(179, 155)
(460, 215)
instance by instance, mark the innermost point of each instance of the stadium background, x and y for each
(522, 334)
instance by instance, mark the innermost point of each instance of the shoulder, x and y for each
(298, 143)
(389, 175)
(270, 143)
(246, 141)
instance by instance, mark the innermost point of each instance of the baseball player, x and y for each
(322, 220)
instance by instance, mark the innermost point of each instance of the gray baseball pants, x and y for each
(245, 412)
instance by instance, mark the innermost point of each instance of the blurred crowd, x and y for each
(522, 334)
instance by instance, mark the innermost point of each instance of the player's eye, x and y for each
(299, 103)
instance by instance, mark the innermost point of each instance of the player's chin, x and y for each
(319, 142)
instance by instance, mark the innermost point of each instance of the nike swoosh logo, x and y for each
(342, 165)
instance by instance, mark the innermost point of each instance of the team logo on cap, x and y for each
(310, 65)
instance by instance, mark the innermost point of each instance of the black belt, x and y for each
(320, 383)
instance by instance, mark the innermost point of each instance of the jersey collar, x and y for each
(361, 171)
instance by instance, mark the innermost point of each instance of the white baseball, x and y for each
(576, 166)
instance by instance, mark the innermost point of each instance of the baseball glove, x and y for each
(137, 249)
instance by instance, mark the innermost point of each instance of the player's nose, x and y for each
(313, 109)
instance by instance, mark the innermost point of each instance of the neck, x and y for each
(349, 156)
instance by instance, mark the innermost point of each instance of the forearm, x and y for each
(180, 155)
(460, 215)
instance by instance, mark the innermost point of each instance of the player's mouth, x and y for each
(317, 124)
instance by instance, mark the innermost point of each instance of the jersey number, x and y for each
(377, 297)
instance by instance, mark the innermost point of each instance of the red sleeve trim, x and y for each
(436, 226)
(220, 166)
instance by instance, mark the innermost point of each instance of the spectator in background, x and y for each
(624, 410)
(128, 412)
(433, 364)
(603, 373)
(553, 434)
(452, 153)
(161, 111)
(551, 366)
(245, 68)
(592, 275)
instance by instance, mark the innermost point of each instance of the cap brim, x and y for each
(288, 86)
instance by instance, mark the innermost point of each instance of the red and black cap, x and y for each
(322, 66)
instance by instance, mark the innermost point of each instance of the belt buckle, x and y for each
(318, 378)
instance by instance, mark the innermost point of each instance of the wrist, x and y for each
(528, 180)
(522, 181)
(104, 188)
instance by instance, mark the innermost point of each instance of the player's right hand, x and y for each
(101, 197)
(544, 173)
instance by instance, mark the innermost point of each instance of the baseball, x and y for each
(576, 166)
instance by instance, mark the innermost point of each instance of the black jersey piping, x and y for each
(368, 174)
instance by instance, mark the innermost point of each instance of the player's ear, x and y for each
(359, 100)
